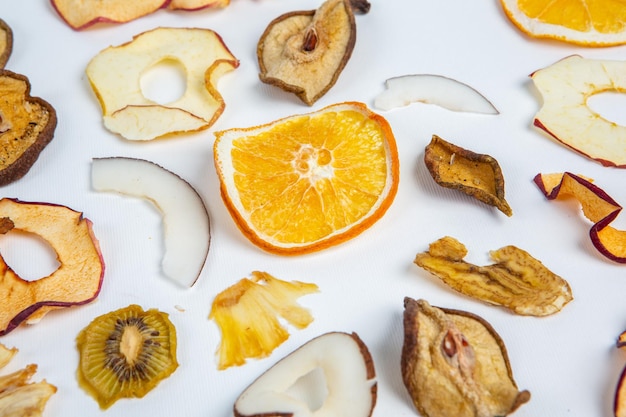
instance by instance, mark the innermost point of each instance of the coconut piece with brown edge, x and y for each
(27, 125)
(455, 364)
(331, 375)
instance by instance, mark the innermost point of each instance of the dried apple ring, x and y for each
(115, 75)
(597, 206)
(6, 42)
(77, 280)
(565, 88)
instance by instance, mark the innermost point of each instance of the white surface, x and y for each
(568, 361)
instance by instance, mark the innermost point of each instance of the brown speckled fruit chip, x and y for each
(27, 125)
(6, 42)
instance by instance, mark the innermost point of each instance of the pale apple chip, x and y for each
(248, 314)
(115, 75)
(455, 364)
(81, 14)
(477, 175)
(192, 5)
(76, 281)
(597, 206)
(516, 280)
(6, 42)
(565, 88)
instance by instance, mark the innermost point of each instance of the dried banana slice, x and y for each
(476, 175)
(516, 281)
(455, 364)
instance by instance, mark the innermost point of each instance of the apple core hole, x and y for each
(311, 389)
(165, 82)
(28, 255)
(611, 105)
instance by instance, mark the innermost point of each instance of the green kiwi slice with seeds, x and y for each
(126, 353)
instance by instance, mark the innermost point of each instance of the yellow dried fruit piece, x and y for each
(517, 281)
(126, 353)
(476, 175)
(248, 313)
(304, 52)
(18, 396)
(455, 364)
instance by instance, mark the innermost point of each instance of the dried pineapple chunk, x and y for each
(18, 396)
(248, 312)
(516, 281)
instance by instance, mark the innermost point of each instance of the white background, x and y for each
(568, 361)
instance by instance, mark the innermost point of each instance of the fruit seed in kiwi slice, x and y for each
(125, 353)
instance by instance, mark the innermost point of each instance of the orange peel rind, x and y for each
(597, 206)
(115, 75)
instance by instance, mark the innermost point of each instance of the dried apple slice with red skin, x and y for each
(597, 206)
(565, 88)
(115, 77)
(79, 277)
(81, 14)
(193, 5)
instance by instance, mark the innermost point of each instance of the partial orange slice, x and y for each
(308, 182)
(583, 22)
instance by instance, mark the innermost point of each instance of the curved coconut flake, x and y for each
(185, 218)
(432, 89)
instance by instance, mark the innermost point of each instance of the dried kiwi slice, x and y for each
(126, 353)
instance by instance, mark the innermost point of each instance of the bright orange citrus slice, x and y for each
(308, 182)
(583, 22)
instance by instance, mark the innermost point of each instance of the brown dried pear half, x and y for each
(126, 353)
(517, 281)
(476, 175)
(27, 125)
(304, 52)
(248, 314)
(6, 42)
(455, 364)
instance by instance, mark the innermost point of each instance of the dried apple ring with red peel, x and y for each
(115, 75)
(77, 280)
(597, 206)
(566, 87)
(80, 14)
(6, 42)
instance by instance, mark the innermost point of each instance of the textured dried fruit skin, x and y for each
(27, 125)
(516, 281)
(126, 353)
(80, 14)
(304, 52)
(6, 42)
(115, 74)
(192, 5)
(474, 174)
(308, 182)
(585, 22)
(455, 364)
(77, 280)
(565, 87)
(597, 206)
(248, 314)
(18, 396)
(349, 380)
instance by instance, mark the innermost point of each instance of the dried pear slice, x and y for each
(6, 42)
(304, 52)
(27, 125)
(126, 353)
(476, 175)
(597, 206)
(455, 364)
(516, 281)
(248, 312)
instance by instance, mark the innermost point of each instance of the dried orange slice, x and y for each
(308, 182)
(583, 22)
